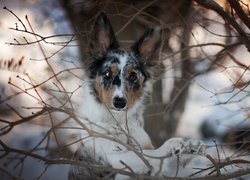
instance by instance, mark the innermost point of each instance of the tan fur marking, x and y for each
(114, 70)
(98, 87)
(107, 97)
(132, 95)
(129, 69)
(104, 96)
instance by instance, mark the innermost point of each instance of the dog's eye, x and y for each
(133, 77)
(107, 74)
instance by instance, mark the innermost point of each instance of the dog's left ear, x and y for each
(147, 47)
(103, 37)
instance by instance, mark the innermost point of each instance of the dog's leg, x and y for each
(170, 159)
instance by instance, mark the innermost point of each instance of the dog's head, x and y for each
(118, 77)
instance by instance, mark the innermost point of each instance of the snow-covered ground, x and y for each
(206, 102)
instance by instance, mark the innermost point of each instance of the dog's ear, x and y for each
(147, 47)
(103, 37)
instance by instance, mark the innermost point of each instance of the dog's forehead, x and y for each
(120, 59)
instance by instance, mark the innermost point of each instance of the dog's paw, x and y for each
(194, 146)
(175, 146)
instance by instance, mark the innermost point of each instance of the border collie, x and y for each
(107, 127)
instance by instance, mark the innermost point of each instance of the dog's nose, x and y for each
(119, 102)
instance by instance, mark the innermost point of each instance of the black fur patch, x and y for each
(117, 80)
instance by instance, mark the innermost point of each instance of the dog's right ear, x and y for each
(103, 37)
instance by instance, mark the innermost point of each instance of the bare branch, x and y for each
(217, 8)
(240, 12)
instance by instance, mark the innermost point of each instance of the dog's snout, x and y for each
(119, 102)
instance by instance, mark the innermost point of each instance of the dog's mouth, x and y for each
(118, 109)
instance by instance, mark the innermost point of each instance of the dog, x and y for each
(106, 127)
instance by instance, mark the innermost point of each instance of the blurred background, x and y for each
(201, 90)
